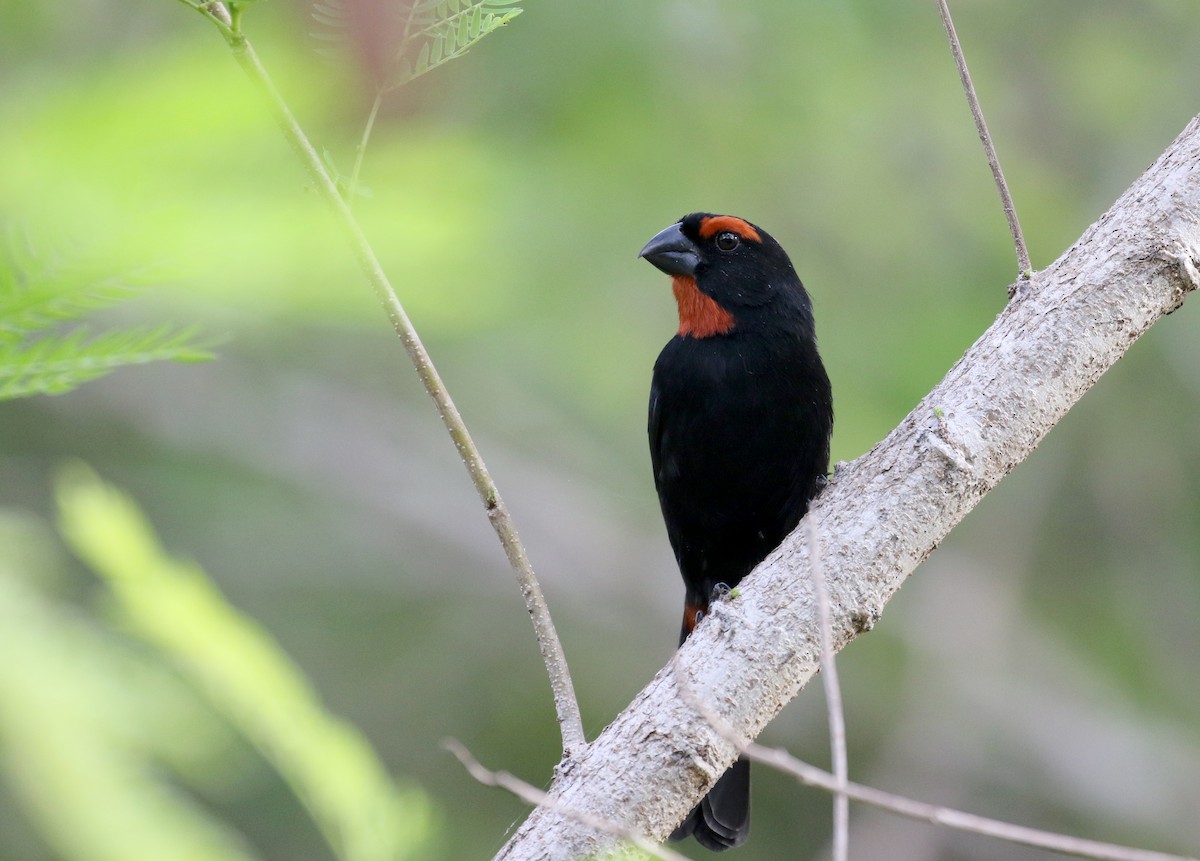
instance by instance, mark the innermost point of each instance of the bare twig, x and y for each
(833, 699)
(532, 795)
(361, 150)
(565, 702)
(935, 814)
(1024, 267)
(957, 819)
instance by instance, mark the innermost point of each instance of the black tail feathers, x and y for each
(722, 818)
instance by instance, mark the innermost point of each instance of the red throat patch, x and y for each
(699, 315)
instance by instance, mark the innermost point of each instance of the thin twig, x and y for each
(833, 699)
(1024, 267)
(532, 795)
(565, 702)
(352, 189)
(935, 814)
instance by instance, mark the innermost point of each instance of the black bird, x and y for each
(740, 417)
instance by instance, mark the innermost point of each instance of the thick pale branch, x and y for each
(885, 512)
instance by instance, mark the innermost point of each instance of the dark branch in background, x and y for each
(227, 21)
(888, 510)
(1024, 267)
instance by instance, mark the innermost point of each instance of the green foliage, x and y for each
(39, 292)
(430, 32)
(246, 676)
(86, 723)
(441, 30)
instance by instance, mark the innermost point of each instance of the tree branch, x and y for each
(884, 513)
(948, 817)
(934, 814)
(566, 704)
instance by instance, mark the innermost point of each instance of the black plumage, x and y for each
(740, 418)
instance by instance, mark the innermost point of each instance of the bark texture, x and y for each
(884, 513)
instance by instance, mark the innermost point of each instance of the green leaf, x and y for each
(88, 723)
(55, 364)
(437, 31)
(246, 676)
(41, 290)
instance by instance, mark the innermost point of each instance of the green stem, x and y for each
(216, 13)
(566, 704)
(352, 190)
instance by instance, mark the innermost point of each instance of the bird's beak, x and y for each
(672, 252)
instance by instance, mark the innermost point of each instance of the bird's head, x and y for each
(720, 265)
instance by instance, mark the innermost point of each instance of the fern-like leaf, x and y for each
(39, 291)
(55, 364)
(438, 31)
(333, 29)
(423, 34)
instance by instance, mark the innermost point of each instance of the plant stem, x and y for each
(1024, 267)
(565, 702)
(352, 189)
(948, 817)
(833, 698)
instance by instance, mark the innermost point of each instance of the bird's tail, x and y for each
(722, 818)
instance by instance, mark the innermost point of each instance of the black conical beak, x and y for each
(672, 252)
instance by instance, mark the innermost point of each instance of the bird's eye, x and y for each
(728, 240)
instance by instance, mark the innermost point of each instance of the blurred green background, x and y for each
(1040, 667)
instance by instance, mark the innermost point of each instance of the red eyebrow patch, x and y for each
(715, 224)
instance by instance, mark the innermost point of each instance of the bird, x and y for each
(741, 414)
